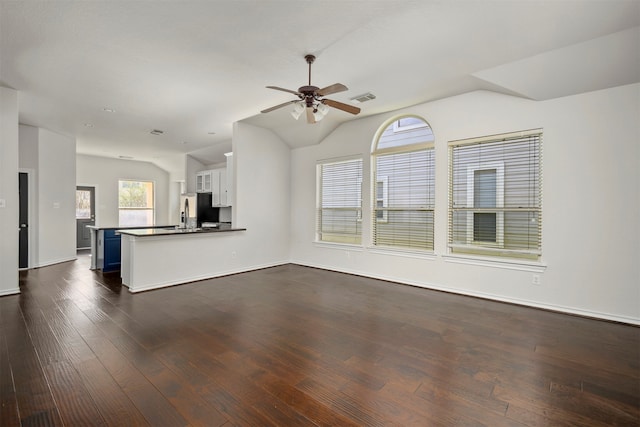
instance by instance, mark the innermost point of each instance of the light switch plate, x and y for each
(3, 203)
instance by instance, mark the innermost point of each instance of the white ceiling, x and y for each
(194, 67)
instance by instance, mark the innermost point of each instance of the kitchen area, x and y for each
(154, 256)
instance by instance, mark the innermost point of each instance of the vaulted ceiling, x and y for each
(109, 72)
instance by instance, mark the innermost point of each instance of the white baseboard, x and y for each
(55, 261)
(188, 280)
(6, 292)
(493, 297)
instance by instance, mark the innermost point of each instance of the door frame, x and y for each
(94, 208)
(32, 200)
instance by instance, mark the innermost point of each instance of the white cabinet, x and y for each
(218, 182)
(229, 179)
(204, 181)
(219, 187)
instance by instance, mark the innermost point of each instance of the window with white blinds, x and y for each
(495, 195)
(404, 186)
(339, 201)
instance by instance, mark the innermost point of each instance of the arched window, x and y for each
(403, 165)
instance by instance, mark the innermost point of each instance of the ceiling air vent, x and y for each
(363, 98)
(157, 132)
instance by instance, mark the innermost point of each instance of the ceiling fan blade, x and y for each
(295, 92)
(310, 117)
(334, 88)
(341, 106)
(284, 104)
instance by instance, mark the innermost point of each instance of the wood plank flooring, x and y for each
(297, 346)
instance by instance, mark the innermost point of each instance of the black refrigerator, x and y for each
(205, 212)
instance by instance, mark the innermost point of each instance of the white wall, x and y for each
(57, 198)
(591, 202)
(50, 159)
(261, 188)
(9, 191)
(191, 167)
(104, 173)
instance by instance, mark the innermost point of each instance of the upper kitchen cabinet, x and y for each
(219, 187)
(218, 182)
(204, 181)
(229, 188)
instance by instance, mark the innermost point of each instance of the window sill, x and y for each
(333, 245)
(407, 253)
(507, 264)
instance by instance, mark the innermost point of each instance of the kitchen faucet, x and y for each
(186, 213)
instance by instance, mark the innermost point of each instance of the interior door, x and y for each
(85, 215)
(23, 218)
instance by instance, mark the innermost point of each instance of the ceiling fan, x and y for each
(312, 99)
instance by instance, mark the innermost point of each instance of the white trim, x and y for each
(503, 263)
(188, 280)
(398, 128)
(492, 297)
(398, 251)
(381, 250)
(55, 261)
(335, 245)
(32, 215)
(497, 137)
(7, 292)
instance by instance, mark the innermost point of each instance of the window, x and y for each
(83, 204)
(136, 204)
(403, 167)
(495, 195)
(339, 202)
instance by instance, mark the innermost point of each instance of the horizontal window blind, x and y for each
(403, 214)
(495, 195)
(340, 202)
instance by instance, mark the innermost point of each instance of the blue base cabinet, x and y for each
(112, 251)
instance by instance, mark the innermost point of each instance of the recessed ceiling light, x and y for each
(156, 132)
(89, 125)
(211, 133)
(108, 110)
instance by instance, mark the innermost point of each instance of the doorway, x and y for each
(85, 215)
(23, 220)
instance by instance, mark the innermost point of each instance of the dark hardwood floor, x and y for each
(297, 346)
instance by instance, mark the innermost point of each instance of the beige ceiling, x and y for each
(190, 68)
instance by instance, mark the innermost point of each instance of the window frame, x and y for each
(126, 208)
(497, 252)
(337, 237)
(418, 145)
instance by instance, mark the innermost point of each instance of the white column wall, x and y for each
(261, 196)
(9, 191)
(56, 198)
(591, 202)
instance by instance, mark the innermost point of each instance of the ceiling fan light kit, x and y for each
(311, 98)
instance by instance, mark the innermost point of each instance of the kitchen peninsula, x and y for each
(105, 246)
(158, 257)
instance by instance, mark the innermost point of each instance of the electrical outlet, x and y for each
(535, 279)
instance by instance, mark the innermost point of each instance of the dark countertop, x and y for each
(94, 227)
(155, 231)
